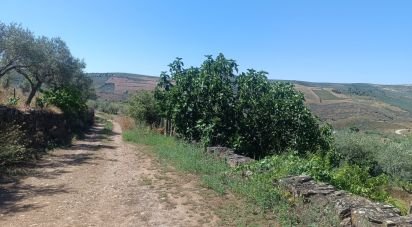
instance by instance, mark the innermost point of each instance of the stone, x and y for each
(229, 155)
(351, 209)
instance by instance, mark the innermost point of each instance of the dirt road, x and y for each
(102, 181)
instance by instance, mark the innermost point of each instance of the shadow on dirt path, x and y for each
(103, 181)
(15, 189)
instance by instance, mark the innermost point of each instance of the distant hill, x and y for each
(366, 106)
(118, 86)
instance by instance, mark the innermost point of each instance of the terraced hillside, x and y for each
(118, 86)
(366, 106)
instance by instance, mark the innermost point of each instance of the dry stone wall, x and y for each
(44, 127)
(229, 155)
(352, 210)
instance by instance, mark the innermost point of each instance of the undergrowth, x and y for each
(258, 189)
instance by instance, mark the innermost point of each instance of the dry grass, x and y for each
(125, 122)
(5, 94)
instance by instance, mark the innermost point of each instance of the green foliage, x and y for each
(143, 108)
(388, 155)
(13, 145)
(272, 117)
(40, 103)
(358, 181)
(42, 61)
(67, 98)
(258, 188)
(13, 101)
(248, 112)
(352, 178)
(108, 107)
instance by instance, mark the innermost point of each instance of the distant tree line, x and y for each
(45, 63)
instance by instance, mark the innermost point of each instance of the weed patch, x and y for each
(258, 190)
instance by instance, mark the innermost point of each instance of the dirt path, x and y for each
(102, 181)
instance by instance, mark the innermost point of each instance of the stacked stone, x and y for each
(352, 210)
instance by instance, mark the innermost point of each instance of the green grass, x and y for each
(215, 174)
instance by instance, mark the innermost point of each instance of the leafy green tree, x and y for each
(162, 96)
(54, 67)
(216, 100)
(272, 118)
(43, 62)
(143, 108)
(67, 98)
(248, 112)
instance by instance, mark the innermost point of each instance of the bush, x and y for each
(358, 181)
(378, 154)
(352, 178)
(67, 98)
(107, 106)
(143, 108)
(247, 112)
(359, 149)
(13, 101)
(272, 117)
(13, 145)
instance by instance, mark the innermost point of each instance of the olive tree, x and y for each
(16, 48)
(54, 66)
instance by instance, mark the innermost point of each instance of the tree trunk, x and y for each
(33, 92)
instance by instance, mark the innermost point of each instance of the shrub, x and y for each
(378, 154)
(272, 117)
(13, 145)
(67, 98)
(13, 101)
(143, 108)
(106, 106)
(247, 112)
(358, 181)
(359, 149)
(347, 177)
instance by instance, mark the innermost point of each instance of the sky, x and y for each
(347, 41)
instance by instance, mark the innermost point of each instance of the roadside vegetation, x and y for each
(264, 199)
(211, 106)
(39, 74)
(108, 107)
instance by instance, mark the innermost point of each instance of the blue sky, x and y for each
(323, 41)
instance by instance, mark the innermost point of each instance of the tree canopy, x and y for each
(248, 112)
(45, 63)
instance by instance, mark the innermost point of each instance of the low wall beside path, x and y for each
(350, 209)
